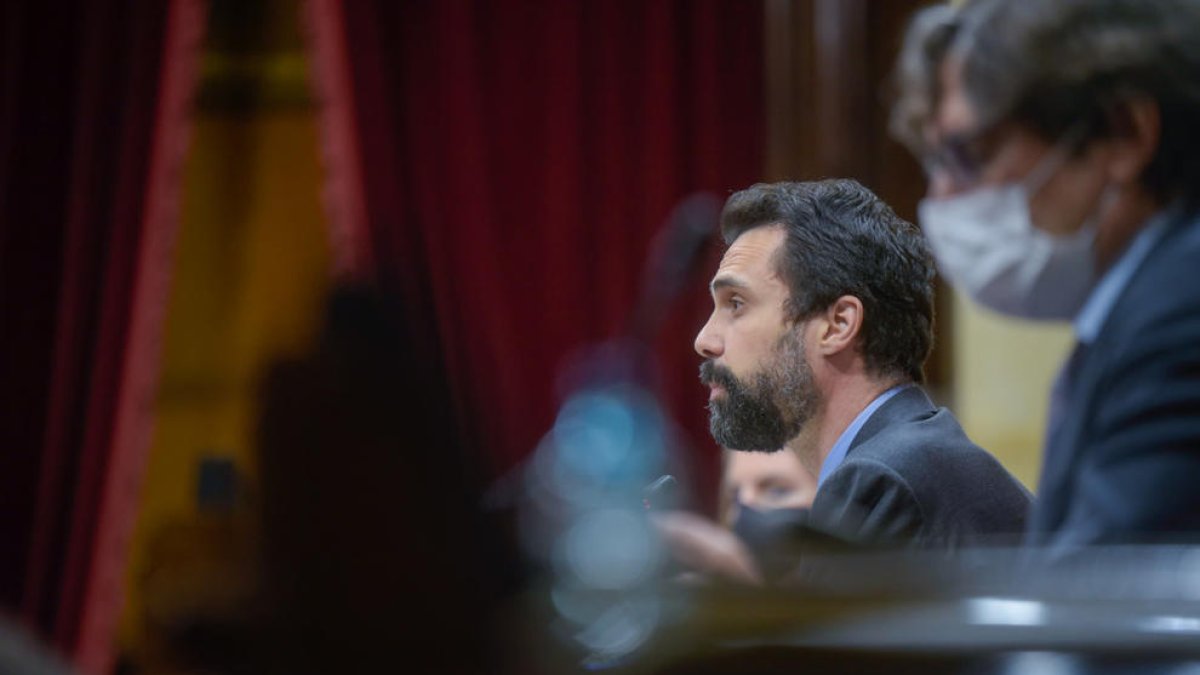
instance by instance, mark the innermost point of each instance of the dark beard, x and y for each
(769, 410)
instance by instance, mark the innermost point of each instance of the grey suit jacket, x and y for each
(912, 477)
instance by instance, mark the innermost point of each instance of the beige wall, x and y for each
(1002, 373)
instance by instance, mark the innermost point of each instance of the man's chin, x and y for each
(732, 441)
(737, 439)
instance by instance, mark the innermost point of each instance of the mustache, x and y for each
(711, 373)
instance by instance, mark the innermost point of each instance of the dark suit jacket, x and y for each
(1124, 464)
(912, 477)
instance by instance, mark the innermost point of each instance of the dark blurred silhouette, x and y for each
(376, 554)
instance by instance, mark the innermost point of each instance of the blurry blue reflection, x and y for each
(609, 437)
(611, 549)
(586, 516)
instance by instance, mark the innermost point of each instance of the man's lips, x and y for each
(715, 390)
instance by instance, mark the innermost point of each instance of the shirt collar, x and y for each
(838, 452)
(1104, 296)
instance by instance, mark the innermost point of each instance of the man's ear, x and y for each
(1139, 127)
(839, 325)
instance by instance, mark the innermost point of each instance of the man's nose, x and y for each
(708, 344)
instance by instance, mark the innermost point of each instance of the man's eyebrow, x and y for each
(726, 281)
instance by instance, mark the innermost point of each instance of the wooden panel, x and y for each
(790, 68)
(828, 68)
(846, 137)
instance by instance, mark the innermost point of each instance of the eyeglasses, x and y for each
(962, 156)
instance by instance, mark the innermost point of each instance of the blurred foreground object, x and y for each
(1120, 610)
(376, 552)
(584, 513)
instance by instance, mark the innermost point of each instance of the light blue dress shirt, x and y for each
(838, 453)
(1104, 296)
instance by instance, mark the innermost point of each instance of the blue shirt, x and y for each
(1104, 296)
(838, 452)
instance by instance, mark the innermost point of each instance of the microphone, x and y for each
(675, 255)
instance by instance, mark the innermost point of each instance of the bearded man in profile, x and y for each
(822, 320)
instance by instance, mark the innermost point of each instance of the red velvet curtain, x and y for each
(92, 130)
(505, 165)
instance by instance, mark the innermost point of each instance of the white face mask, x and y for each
(986, 244)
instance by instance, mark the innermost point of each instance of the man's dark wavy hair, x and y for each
(843, 240)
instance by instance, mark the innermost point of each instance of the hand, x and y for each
(703, 546)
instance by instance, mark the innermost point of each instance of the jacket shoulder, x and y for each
(962, 491)
(868, 501)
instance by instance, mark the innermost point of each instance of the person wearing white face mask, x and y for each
(1062, 143)
(986, 242)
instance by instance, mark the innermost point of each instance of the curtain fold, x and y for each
(92, 136)
(504, 167)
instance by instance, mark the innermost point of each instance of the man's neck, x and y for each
(1127, 218)
(841, 405)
